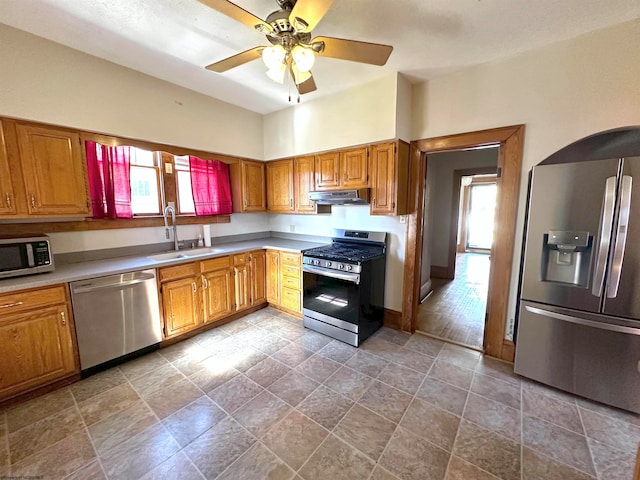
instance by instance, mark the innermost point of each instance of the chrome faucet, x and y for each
(165, 214)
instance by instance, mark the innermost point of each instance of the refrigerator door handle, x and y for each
(621, 237)
(608, 206)
(583, 321)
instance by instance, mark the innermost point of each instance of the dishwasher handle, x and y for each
(115, 281)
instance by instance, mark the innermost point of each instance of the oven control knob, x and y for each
(317, 262)
(328, 264)
(349, 267)
(341, 266)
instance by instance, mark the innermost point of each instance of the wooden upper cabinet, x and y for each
(304, 178)
(7, 194)
(248, 186)
(55, 178)
(280, 186)
(390, 192)
(354, 171)
(327, 170)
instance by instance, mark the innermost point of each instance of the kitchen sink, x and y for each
(194, 252)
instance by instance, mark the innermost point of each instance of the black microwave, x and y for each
(24, 255)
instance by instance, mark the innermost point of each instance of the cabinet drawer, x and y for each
(294, 259)
(240, 259)
(179, 271)
(21, 301)
(291, 282)
(291, 299)
(215, 264)
(289, 271)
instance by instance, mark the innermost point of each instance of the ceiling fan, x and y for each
(292, 49)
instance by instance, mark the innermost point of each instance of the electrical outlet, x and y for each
(403, 219)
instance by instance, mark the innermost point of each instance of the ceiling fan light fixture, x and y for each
(300, 25)
(303, 58)
(298, 75)
(277, 74)
(274, 56)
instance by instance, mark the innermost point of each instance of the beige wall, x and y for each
(47, 82)
(562, 93)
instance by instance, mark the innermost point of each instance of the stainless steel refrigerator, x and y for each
(578, 324)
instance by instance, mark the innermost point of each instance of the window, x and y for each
(183, 185)
(146, 196)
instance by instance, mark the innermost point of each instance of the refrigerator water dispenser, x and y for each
(566, 257)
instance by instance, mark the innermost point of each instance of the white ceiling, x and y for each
(174, 39)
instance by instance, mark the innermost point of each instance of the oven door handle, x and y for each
(325, 272)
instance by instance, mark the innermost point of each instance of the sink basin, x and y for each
(194, 252)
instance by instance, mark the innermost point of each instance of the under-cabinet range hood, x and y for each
(341, 197)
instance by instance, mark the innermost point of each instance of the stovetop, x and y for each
(346, 253)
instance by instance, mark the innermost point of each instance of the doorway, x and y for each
(510, 141)
(458, 215)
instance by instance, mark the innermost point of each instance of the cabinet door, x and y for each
(258, 277)
(354, 170)
(253, 186)
(304, 177)
(218, 294)
(241, 275)
(53, 171)
(181, 306)
(273, 277)
(37, 348)
(383, 172)
(280, 186)
(327, 170)
(7, 195)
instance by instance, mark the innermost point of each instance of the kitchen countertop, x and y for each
(99, 268)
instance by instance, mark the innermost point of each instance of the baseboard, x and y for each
(425, 290)
(508, 352)
(439, 272)
(392, 319)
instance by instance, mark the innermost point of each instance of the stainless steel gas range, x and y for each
(343, 285)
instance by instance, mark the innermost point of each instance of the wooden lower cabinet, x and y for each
(258, 277)
(37, 338)
(181, 304)
(284, 280)
(273, 277)
(218, 293)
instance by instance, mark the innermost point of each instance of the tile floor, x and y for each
(264, 398)
(456, 309)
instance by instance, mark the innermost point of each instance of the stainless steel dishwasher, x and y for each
(115, 316)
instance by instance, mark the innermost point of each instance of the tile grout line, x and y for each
(88, 433)
(7, 447)
(521, 431)
(593, 463)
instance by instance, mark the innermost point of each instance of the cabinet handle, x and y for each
(291, 202)
(33, 201)
(345, 176)
(63, 317)
(8, 200)
(195, 287)
(245, 202)
(374, 201)
(9, 305)
(205, 282)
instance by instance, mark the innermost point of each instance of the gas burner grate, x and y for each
(346, 253)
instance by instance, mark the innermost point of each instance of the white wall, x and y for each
(360, 115)
(47, 82)
(440, 167)
(356, 217)
(562, 93)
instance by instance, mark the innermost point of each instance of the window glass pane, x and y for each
(142, 157)
(481, 212)
(182, 163)
(185, 194)
(144, 190)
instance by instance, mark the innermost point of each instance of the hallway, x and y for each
(455, 310)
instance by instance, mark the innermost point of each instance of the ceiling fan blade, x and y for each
(307, 86)
(353, 50)
(310, 12)
(236, 60)
(239, 14)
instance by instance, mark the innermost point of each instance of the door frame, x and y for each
(510, 140)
